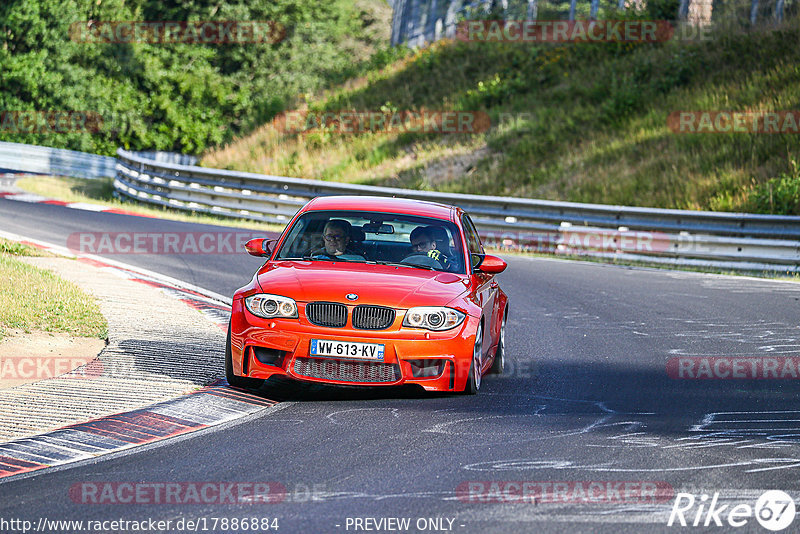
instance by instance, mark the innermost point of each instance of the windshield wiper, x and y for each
(323, 257)
(398, 264)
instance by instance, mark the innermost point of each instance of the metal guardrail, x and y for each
(55, 161)
(61, 162)
(726, 240)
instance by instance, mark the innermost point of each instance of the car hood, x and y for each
(382, 285)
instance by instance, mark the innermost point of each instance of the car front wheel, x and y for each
(474, 378)
(500, 355)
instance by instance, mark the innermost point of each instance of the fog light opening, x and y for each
(268, 356)
(429, 368)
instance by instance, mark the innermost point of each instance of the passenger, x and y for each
(442, 239)
(423, 242)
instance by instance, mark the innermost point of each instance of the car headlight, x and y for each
(433, 318)
(269, 306)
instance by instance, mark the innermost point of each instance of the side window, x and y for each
(473, 240)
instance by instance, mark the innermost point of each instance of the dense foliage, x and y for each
(175, 96)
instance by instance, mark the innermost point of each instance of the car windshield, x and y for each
(375, 238)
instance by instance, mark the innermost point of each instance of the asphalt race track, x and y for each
(588, 413)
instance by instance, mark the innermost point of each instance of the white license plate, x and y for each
(347, 349)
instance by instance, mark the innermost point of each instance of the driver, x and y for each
(423, 242)
(336, 238)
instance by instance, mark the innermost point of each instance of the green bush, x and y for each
(662, 9)
(181, 97)
(779, 195)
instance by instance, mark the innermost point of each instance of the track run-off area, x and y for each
(633, 398)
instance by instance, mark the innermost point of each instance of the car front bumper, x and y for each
(436, 361)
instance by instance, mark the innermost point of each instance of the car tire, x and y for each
(499, 364)
(234, 380)
(474, 378)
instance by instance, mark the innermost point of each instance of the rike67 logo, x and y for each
(774, 510)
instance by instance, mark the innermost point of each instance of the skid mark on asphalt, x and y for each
(780, 429)
(573, 313)
(209, 406)
(736, 284)
(734, 338)
(565, 417)
(522, 464)
(733, 433)
(750, 286)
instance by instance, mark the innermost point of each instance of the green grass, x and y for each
(13, 248)
(101, 191)
(574, 122)
(37, 299)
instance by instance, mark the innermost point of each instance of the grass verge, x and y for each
(14, 248)
(36, 299)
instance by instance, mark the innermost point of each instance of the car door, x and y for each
(483, 285)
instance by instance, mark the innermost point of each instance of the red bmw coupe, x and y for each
(371, 291)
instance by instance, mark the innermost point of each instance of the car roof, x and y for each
(382, 204)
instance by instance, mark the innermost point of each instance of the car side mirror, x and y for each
(492, 265)
(259, 247)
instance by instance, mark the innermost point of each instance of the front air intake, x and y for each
(347, 371)
(331, 314)
(372, 317)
